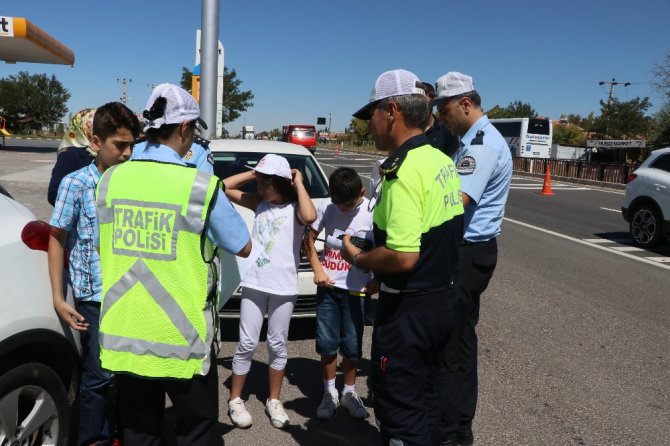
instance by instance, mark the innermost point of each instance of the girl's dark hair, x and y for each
(166, 130)
(112, 116)
(282, 185)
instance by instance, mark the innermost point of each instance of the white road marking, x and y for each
(335, 167)
(593, 245)
(553, 187)
(618, 211)
(627, 248)
(621, 241)
(659, 259)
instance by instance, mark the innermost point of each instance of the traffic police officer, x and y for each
(198, 155)
(159, 221)
(484, 166)
(418, 224)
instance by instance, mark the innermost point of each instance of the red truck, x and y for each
(303, 135)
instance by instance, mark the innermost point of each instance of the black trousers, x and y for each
(409, 346)
(458, 388)
(195, 401)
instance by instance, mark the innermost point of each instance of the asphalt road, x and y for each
(574, 333)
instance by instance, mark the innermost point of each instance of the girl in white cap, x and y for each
(282, 208)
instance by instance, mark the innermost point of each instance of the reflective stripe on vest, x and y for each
(132, 219)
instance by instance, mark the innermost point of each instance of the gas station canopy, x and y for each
(22, 41)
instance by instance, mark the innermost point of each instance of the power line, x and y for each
(612, 83)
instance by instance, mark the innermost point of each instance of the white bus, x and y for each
(526, 137)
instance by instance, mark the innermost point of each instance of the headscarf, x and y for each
(79, 131)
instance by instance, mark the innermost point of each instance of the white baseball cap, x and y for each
(272, 164)
(390, 83)
(180, 107)
(452, 84)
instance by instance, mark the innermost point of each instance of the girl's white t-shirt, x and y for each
(275, 269)
(356, 222)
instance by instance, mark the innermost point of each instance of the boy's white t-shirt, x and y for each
(275, 269)
(358, 222)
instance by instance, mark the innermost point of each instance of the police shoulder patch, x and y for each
(189, 155)
(210, 158)
(466, 165)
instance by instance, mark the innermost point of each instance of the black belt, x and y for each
(468, 242)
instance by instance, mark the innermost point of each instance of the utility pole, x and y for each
(612, 83)
(124, 95)
(209, 39)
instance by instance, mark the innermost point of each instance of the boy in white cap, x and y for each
(484, 166)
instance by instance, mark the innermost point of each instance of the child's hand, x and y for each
(297, 176)
(322, 279)
(70, 316)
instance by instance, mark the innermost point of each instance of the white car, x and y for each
(38, 354)
(646, 205)
(232, 156)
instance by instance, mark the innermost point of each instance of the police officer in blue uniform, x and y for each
(198, 155)
(484, 165)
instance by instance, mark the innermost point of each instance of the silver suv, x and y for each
(38, 355)
(646, 205)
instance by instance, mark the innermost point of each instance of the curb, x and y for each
(603, 184)
(33, 138)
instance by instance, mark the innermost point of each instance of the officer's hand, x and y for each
(348, 250)
(372, 286)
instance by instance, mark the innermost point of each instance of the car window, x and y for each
(662, 162)
(231, 163)
(4, 192)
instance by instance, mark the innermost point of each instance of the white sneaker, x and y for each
(354, 405)
(275, 410)
(239, 414)
(328, 407)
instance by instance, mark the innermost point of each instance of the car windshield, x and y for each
(231, 163)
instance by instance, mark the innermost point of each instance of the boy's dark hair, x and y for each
(345, 185)
(282, 185)
(113, 116)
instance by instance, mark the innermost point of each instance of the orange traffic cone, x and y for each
(546, 187)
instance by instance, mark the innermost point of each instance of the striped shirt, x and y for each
(75, 212)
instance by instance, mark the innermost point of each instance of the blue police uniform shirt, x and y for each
(484, 165)
(225, 228)
(197, 156)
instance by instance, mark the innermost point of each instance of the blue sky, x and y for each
(303, 59)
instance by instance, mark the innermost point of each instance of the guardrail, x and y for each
(594, 171)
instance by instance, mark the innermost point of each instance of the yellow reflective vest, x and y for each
(159, 300)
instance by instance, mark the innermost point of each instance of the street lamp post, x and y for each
(329, 118)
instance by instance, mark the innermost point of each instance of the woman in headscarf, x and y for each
(75, 150)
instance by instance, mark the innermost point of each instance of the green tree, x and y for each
(235, 101)
(360, 131)
(186, 79)
(660, 133)
(569, 135)
(515, 109)
(32, 101)
(623, 120)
